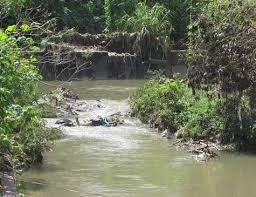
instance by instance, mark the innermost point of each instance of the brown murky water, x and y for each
(131, 160)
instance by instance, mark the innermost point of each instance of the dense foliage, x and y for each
(116, 9)
(221, 60)
(83, 15)
(222, 57)
(164, 18)
(23, 136)
(155, 19)
(170, 104)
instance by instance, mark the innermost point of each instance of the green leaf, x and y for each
(34, 48)
(3, 36)
(11, 28)
(25, 27)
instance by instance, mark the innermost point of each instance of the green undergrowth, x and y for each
(221, 54)
(170, 104)
(23, 134)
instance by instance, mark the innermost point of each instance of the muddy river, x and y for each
(131, 160)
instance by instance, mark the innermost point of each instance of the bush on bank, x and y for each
(221, 75)
(170, 104)
(222, 56)
(23, 136)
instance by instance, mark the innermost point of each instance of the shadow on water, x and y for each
(29, 185)
(32, 185)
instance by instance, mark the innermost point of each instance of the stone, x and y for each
(8, 186)
(65, 122)
(165, 133)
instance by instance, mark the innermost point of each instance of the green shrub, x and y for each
(84, 16)
(202, 118)
(171, 104)
(116, 9)
(178, 16)
(158, 101)
(22, 133)
(221, 56)
(166, 19)
(155, 19)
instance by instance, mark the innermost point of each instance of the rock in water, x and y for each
(8, 184)
(167, 134)
(65, 122)
(164, 134)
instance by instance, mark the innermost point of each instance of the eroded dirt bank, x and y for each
(74, 56)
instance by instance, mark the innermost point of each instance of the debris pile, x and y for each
(109, 121)
(201, 150)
